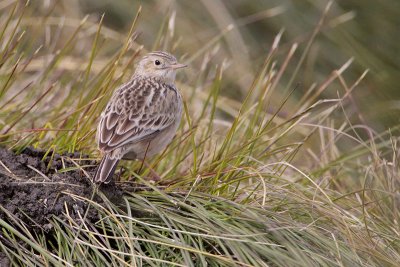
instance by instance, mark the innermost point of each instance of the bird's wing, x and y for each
(136, 111)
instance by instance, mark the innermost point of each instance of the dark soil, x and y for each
(33, 193)
(33, 190)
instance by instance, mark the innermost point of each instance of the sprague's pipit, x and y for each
(142, 116)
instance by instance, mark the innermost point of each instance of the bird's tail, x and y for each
(106, 170)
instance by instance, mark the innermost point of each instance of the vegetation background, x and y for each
(365, 30)
(288, 153)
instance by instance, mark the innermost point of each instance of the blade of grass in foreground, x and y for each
(245, 184)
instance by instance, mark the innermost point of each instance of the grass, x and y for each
(260, 181)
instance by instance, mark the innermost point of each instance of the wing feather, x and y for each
(135, 112)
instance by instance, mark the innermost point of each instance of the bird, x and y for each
(142, 116)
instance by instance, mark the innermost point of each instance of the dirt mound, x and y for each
(33, 192)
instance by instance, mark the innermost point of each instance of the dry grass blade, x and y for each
(255, 176)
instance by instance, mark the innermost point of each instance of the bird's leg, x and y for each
(144, 158)
(121, 171)
(155, 177)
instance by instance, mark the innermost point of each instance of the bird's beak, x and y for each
(178, 66)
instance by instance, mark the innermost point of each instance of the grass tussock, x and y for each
(260, 181)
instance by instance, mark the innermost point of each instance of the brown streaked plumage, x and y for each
(142, 116)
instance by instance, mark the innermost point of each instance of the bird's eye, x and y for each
(157, 62)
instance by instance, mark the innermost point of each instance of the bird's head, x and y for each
(160, 65)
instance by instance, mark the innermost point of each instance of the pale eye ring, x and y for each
(157, 62)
